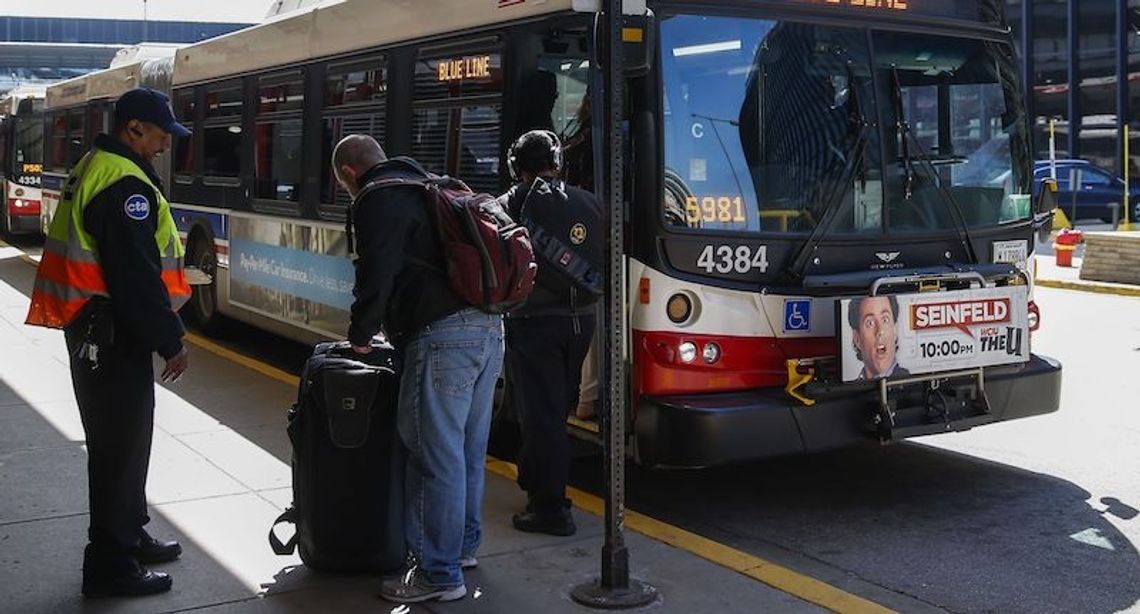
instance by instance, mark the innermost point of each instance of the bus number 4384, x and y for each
(728, 259)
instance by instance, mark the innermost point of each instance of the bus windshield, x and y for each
(771, 124)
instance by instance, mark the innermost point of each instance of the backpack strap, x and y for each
(289, 516)
(371, 186)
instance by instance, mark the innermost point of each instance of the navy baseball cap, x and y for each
(151, 106)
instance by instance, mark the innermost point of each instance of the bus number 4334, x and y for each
(728, 259)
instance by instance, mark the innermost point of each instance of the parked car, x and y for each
(1085, 191)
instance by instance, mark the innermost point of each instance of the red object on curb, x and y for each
(1064, 246)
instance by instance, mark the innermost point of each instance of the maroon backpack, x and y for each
(490, 260)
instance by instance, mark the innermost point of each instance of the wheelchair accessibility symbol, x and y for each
(797, 315)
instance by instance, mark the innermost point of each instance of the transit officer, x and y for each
(111, 277)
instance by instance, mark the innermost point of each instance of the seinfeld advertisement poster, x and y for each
(899, 335)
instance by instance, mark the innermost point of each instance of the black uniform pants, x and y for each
(116, 404)
(544, 366)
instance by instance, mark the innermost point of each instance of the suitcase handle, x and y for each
(289, 516)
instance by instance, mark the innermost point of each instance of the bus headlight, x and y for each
(679, 308)
(687, 351)
(711, 353)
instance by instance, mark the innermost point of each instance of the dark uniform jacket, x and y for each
(392, 293)
(575, 218)
(129, 258)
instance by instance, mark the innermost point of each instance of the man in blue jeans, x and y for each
(452, 355)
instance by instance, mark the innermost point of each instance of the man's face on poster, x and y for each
(875, 336)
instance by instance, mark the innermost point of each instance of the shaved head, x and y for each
(353, 156)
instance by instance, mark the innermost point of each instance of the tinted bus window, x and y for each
(222, 133)
(361, 81)
(76, 136)
(57, 141)
(221, 151)
(355, 101)
(185, 107)
(277, 155)
(281, 93)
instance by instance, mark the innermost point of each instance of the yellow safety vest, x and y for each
(69, 273)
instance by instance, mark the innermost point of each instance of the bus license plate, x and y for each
(910, 334)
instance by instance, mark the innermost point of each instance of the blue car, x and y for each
(1085, 191)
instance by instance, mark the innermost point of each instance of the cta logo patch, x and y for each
(137, 207)
(577, 234)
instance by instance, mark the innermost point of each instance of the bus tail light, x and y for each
(687, 352)
(1034, 316)
(711, 353)
(668, 362)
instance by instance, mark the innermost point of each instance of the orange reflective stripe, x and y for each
(177, 287)
(52, 312)
(82, 275)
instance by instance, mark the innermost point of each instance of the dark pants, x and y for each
(116, 404)
(544, 367)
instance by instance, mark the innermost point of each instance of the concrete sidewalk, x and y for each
(220, 475)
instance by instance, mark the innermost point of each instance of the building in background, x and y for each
(1081, 61)
(38, 49)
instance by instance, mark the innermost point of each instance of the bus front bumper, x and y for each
(706, 430)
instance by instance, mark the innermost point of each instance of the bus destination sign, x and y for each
(476, 67)
(980, 10)
(894, 5)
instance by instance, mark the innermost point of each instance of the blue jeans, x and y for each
(446, 392)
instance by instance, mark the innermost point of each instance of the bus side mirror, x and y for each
(1047, 198)
(638, 43)
(638, 35)
(1043, 208)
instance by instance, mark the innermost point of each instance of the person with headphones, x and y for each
(547, 338)
(874, 335)
(111, 277)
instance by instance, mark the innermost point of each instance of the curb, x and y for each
(1086, 286)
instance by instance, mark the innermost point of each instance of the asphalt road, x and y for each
(1037, 515)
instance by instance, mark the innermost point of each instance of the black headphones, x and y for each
(554, 152)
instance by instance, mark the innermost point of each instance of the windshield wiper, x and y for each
(908, 138)
(857, 128)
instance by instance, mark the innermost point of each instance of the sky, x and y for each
(229, 11)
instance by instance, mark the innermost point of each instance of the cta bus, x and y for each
(830, 222)
(21, 159)
(80, 108)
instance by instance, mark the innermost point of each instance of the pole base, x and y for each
(593, 595)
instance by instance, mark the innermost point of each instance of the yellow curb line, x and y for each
(796, 584)
(1088, 287)
(245, 361)
(781, 578)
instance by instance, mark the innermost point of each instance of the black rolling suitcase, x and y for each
(348, 462)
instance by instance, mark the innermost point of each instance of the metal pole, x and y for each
(144, 22)
(1074, 94)
(1029, 70)
(614, 589)
(1127, 225)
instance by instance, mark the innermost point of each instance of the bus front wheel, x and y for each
(203, 303)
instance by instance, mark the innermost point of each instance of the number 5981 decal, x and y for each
(740, 259)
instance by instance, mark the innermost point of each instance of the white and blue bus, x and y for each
(785, 158)
(21, 159)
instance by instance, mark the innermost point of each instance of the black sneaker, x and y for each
(151, 550)
(559, 523)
